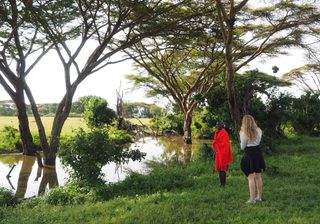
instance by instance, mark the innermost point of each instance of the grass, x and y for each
(70, 124)
(291, 195)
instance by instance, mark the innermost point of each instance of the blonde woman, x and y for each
(252, 163)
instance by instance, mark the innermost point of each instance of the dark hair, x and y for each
(219, 124)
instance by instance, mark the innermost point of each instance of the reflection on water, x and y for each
(22, 175)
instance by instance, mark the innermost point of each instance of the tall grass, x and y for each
(191, 194)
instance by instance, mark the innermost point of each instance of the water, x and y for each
(27, 179)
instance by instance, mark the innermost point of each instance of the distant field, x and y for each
(70, 124)
(140, 121)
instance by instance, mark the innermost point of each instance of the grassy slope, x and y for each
(291, 193)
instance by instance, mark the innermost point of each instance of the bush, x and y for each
(69, 194)
(170, 122)
(7, 198)
(306, 114)
(87, 152)
(202, 126)
(206, 152)
(97, 113)
(10, 139)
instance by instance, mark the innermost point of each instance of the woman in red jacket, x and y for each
(223, 154)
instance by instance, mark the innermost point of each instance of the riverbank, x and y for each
(191, 194)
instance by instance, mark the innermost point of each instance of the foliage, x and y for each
(6, 109)
(306, 114)
(7, 198)
(87, 152)
(69, 195)
(78, 106)
(119, 137)
(47, 109)
(217, 107)
(10, 139)
(168, 123)
(306, 78)
(141, 110)
(206, 152)
(258, 94)
(202, 124)
(278, 114)
(97, 113)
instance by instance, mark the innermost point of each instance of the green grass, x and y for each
(291, 195)
(70, 124)
(140, 121)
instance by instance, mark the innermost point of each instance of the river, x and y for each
(26, 179)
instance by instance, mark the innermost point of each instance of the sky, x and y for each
(47, 82)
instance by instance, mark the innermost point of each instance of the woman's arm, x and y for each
(243, 140)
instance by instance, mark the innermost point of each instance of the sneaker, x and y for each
(251, 202)
(258, 199)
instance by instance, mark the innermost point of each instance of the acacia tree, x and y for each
(173, 76)
(249, 31)
(182, 66)
(252, 83)
(108, 26)
(307, 78)
(22, 48)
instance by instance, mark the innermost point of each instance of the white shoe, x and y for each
(258, 199)
(251, 202)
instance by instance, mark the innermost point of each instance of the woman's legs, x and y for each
(252, 186)
(259, 185)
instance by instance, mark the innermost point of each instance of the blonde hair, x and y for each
(249, 127)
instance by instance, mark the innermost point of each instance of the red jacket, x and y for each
(221, 146)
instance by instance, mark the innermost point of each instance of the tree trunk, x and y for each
(233, 106)
(24, 129)
(119, 110)
(58, 122)
(230, 72)
(187, 128)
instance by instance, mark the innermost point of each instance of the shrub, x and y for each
(7, 198)
(10, 139)
(306, 114)
(170, 122)
(206, 152)
(87, 152)
(97, 113)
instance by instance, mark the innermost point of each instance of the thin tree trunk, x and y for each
(187, 128)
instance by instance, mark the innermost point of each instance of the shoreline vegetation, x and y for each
(191, 194)
(71, 124)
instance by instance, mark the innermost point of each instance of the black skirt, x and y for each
(252, 160)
